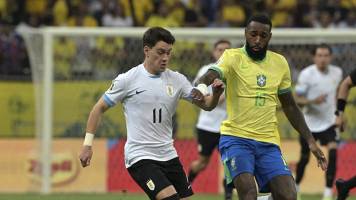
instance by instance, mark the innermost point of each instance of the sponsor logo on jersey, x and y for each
(150, 185)
(170, 90)
(261, 80)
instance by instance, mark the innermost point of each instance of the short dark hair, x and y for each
(261, 18)
(221, 41)
(156, 34)
(322, 46)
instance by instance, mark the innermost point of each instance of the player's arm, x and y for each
(302, 100)
(92, 124)
(297, 120)
(201, 85)
(211, 101)
(343, 93)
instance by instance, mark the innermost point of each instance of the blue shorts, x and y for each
(263, 160)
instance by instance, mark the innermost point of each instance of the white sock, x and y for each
(297, 187)
(265, 197)
(328, 192)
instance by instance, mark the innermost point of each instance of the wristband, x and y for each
(202, 88)
(88, 140)
(341, 103)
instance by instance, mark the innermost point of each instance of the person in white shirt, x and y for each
(150, 93)
(316, 91)
(208, 125)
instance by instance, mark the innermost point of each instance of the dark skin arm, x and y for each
(208, 78)
(297, 120)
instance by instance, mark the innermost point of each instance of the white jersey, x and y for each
(311, 84)
(149, 102)
(211, 121)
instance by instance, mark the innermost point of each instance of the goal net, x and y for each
(72, 67)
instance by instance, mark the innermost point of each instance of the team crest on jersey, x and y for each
(150, 185)
(261, 80)
(170, 90)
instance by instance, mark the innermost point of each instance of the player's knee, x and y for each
(285, 195)
(172, 197)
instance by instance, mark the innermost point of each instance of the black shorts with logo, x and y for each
(207, 141)
(153, 176)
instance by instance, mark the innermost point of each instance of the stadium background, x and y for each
(85, 66)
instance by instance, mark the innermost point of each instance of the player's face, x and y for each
(257, 36)
(322, 58)
(158, 56)
(219, 50)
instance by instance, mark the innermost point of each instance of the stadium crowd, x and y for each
(14, 61)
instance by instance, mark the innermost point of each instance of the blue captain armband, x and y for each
(108, 101)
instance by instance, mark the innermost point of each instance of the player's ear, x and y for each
(145, 50)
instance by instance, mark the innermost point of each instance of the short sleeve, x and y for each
(117, 91)
(223, 65)
(353, 76)
(286, 82)
(186, 88)
(302, 85)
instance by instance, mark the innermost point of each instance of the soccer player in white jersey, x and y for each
(208, 126)
(316, 91)
(149, 93)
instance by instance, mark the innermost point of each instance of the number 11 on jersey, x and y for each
(159, 113)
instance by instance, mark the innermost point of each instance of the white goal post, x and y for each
(40, 43)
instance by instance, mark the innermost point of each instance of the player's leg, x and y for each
(283, 187)
(303, 161)
(175, 173)
(343, 187)
(328, 138)
(150, 176)
(272, 172)
(238, 156)
(207, 142)
(228, 190)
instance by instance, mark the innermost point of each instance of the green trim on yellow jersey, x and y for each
(284, 90)
(216, 68)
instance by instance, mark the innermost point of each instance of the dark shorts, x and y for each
(153, 176)
(207, 141)
(324, 137)
(261, 159)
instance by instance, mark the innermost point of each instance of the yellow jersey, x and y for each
(251, 93)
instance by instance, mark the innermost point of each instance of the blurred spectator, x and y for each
(60, 13)
(142, 9)
(81, 16)
(194, 16)
(325, 19)
(350, 21)
(13, 56)
(161, 17)
(64, 52)
(232, 14)
(109, 53)
(115, 16)
(281, 12)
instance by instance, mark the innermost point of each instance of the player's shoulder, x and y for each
(173, 74)
(276, 56)
(130, 74)
(335, 69)
(308, 70)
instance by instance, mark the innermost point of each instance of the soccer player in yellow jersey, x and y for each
(249, 145)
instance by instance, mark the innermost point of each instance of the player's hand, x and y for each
(85, 156)
(340, 123)
(319, 155)
(218, 87)
(196, 95)
(320, 99)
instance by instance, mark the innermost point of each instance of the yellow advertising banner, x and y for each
(20, 167)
